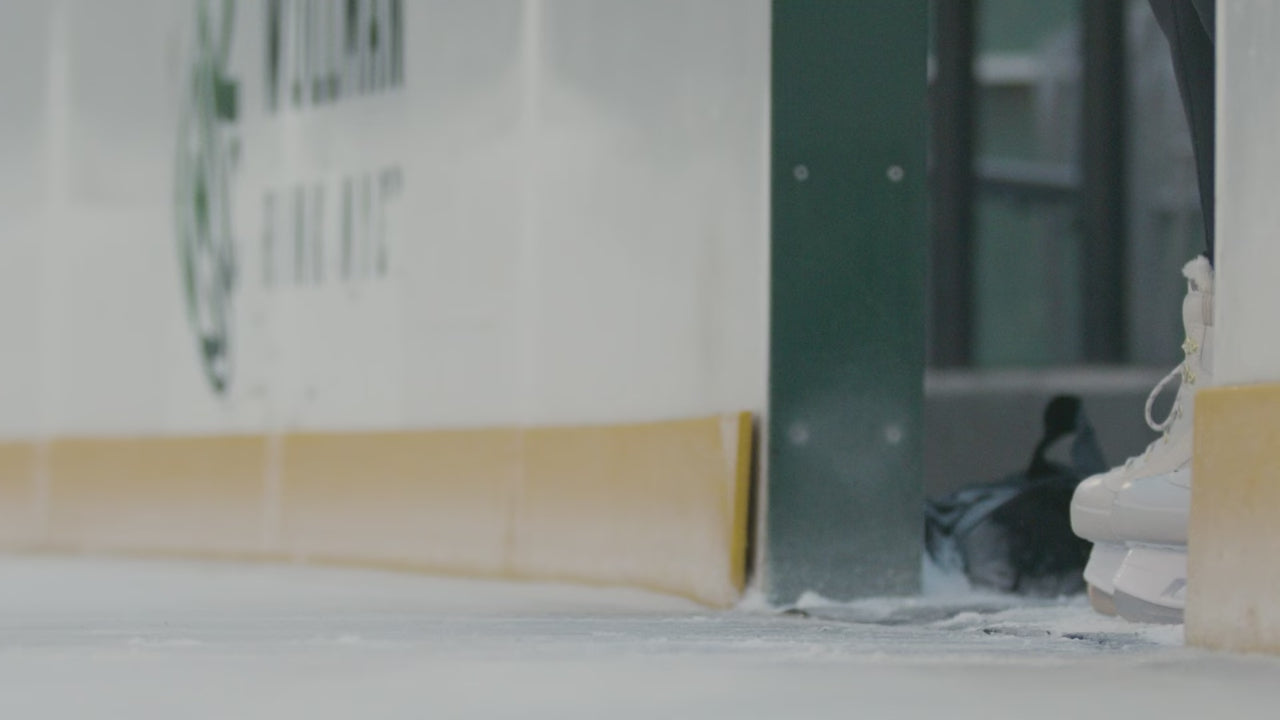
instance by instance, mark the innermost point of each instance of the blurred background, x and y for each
(1064, 206)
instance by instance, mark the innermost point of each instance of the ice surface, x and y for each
(97, 637)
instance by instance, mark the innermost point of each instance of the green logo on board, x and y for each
(206, 157)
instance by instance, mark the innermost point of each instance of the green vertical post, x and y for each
(843, 509)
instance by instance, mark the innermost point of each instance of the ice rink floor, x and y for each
(113, 638)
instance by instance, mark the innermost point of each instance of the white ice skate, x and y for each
(1092, 505)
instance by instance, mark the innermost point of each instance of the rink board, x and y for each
(1233, 588)
(475, 287)
(658, 505)
(1233, 584)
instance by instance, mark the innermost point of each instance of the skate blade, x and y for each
(1140, 611)
(1105, 560)
(1102, 602)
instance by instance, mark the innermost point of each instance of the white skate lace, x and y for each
(1183, 372)
(1164, 425)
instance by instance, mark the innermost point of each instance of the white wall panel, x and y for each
(1248, 215)
(557, 214)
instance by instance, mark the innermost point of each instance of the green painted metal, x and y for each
(844, 502)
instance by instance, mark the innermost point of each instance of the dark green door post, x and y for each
(843, 509)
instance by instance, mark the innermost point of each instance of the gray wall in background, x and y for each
(981, 426)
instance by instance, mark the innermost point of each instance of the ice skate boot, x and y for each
(1094, 500)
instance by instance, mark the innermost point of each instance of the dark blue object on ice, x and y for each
(1014, 535)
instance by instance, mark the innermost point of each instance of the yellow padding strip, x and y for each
(437, 499)
(657, 521)
(1233, 582)
(172, 494)
(657, 505)
(20, 500)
